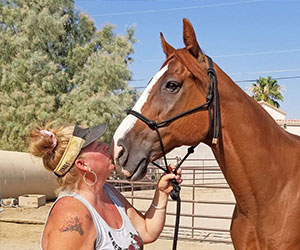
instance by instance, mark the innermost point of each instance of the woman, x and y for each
(90, 213)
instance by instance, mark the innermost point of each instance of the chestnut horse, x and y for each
(259, 159)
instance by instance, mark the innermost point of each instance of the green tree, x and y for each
(268, 90)
(55, 65)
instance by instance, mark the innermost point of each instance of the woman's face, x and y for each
(97, 157)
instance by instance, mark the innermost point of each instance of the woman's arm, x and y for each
(70, 226)
(151, 224)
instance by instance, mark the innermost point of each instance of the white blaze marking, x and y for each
(130, 120)
(143, 98)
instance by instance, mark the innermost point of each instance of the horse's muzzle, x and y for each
(130, 159)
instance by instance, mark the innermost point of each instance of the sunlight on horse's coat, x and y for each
(130, 120)
(259, 159)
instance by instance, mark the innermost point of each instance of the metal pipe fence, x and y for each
(206, 201)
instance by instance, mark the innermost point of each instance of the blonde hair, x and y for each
(42, 146)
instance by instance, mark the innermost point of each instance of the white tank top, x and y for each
(124, 238)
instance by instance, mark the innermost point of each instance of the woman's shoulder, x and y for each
(70, 223)
(113, 190)
(110, 186)
(69, 210)
(120, 197)
(69, 204)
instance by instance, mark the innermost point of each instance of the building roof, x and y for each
(281, 122)
(271, 106)
(292, 122)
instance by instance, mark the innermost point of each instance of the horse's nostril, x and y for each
(122, 154)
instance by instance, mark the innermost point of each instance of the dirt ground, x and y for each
(15, 233)
(20, 228)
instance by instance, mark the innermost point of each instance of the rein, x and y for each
(211, 98)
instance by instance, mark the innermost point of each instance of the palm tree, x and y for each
(268, 90)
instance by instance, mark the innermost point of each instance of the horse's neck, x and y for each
(251, 147)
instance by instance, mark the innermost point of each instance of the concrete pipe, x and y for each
(22, 173)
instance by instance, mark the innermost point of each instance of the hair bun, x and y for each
(52, 136)
(42, 142)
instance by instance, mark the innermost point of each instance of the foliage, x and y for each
(55, 65)
(268, 90)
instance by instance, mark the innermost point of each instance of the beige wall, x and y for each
(21, 173)
(294, 129)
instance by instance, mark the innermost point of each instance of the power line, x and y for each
(233, 55)
(264, 72)
(253, 72)
(275, 78)
(259, 53)
(253, 80)
(173, 9)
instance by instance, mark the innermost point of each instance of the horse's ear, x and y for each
(190, 40)
(167, 48)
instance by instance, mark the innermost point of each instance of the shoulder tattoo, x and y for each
(72, 224)
(89, 217)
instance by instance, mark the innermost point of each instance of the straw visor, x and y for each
(81, 138)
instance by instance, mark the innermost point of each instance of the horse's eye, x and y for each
(172, 86)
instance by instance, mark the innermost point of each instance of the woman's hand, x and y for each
(165, 183)
(151, 224)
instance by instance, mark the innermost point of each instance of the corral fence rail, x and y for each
(206, 200)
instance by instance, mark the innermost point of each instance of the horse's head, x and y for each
(181, 84)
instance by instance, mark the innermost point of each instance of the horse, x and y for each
(258, 158)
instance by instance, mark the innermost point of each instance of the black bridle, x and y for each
(211, 98)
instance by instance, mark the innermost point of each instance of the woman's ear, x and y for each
(80, 164)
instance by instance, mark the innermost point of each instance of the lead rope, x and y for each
(175, 193)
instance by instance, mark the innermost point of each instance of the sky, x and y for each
(248, 39)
